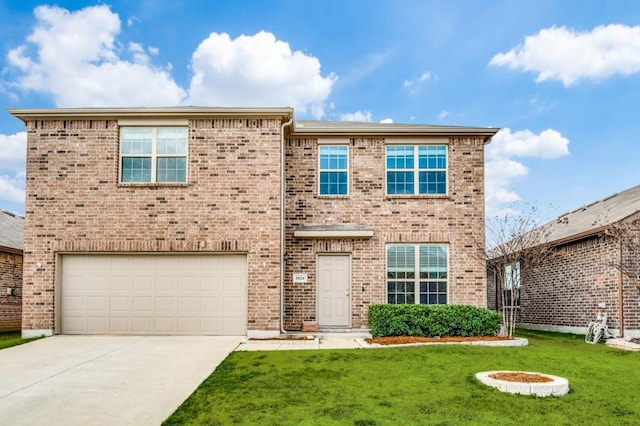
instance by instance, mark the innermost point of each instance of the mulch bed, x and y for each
(521, 377)
(401, 340)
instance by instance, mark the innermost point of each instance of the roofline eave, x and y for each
(153, 112)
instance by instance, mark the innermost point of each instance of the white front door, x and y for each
(334, 291)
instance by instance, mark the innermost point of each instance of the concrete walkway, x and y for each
(345, 340)
(100, 380)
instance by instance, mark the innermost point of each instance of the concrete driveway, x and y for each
(100, 380)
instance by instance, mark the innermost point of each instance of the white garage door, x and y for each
(153, 294)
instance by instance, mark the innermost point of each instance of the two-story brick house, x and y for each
(193, 220)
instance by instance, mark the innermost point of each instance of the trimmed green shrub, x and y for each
(432, 320)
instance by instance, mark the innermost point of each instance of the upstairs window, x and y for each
(334, 169)
(417, 274)
(153, 154)
(417, 170)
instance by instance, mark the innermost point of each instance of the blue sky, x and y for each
(560, 78)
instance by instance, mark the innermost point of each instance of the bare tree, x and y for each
(518, 246)
(627, 233)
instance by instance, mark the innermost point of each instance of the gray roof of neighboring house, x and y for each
(11, 231)
(350, 127)
(591, 218)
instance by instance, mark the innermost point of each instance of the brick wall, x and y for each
(457, 220)
(230, 204)
(567, 290)
(565, 293)
(10, 278)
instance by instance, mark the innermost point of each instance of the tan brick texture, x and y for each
(10, 280)
(231, 203)
(457, 220)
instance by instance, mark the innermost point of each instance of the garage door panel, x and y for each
(96, 304)
(118, 283)
(209, 325)
(95, 325)
(142, 325)
(189, 284)
(233, 304)
(143, 305)
(119, 324)
(76, 324)
(166, 325)
(167, 283)
(142, 284)
(154, 294)
(185, 325)
(166, 304)
(188, 305)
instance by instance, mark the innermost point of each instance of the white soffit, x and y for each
(333, 141)
(153, 122)
(417, 141)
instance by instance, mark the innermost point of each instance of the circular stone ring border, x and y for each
(557, 387)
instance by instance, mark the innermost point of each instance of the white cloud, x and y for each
(414, 86)
(12, 188)
(257, 70)
(387, 120)
(524, 143)
(77, 59)
(501, 169)
(443, 115)
(13, 150)
(358, 116)
(12, 167)
(561, 53)
(425, 76)
(74, 57)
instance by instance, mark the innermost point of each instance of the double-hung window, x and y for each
(153, 154)
(417, 273)
(334, 169)
(416, 169)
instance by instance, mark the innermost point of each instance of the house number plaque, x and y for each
(299, 278)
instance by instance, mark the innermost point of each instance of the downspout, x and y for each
(282, 213)
(620, 290)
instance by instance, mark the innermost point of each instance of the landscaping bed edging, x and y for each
(623, 344)
(516, 341)
(558, 386)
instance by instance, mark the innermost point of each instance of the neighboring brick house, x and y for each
(193, 220)
(583, 277)
(11, 246)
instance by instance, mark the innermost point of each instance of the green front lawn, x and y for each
(433, 385)
(12, 338)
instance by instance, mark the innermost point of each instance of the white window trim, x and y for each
(320, 170)
(416, 171)
(416, 279)
(153, 155)
(510, 276)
